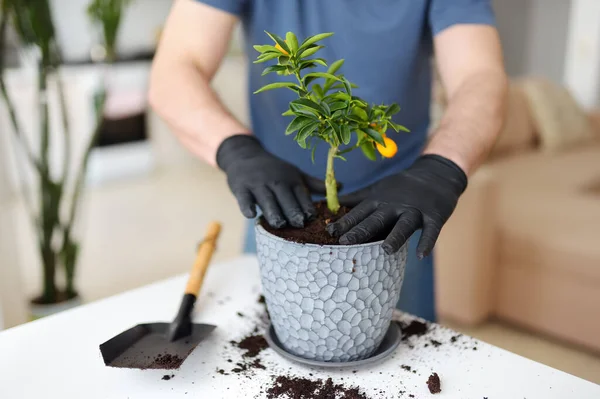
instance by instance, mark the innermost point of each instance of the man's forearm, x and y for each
(472, 121)
(184, 99)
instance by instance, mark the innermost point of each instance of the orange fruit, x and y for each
(390, 148)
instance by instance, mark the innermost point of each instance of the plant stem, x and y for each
(49, 262)
(66, 127)
(333, 202)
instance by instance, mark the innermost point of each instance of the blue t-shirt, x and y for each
(387, 47)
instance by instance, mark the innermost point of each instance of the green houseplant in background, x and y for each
(53, 207)
(327, 111)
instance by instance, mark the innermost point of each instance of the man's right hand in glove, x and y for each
(256, 177)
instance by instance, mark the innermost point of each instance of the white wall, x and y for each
(534, 36)
(138, 29)
(582, 70)
(555, 39)
(12, 307)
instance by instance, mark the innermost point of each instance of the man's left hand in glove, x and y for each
(423, 196)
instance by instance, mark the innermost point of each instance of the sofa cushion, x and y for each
(595, 121)
(559, 121)
(518, 133)
(547, 215)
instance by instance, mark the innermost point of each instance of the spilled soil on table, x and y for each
(243, 357)
(300, 388)
(434, 384)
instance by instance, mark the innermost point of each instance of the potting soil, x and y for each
(314, 231)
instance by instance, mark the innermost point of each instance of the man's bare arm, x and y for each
(192, 46)
(470, 63)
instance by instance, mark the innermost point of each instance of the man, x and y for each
(387, 47)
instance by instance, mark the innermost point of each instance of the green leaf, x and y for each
(335, 66)
(338, 96)
(312, 154)
(309, 51)
(274, 68)
(360, 101)
(313, 39)
(279, 40)
(337, 114)
(353, 117)
(392, 109)
(320, 61)
(306, 131)
(346, 134)
(292, 41)
(375, 135)
(283, 59)
(266, 57)
(289, 112)
(369, 151)
(301, 143)
(360, 113)
(306, 103)
(398, 127)
(341, 157)
(301, 111)
(353, 85)
(336, 129)
(308, 80)
(347, 86)
(265, 48)
(324, 75)
(338, 105)
(318, 90)
(298, 123)
(306, 64)
(278, 85)
(326, 108)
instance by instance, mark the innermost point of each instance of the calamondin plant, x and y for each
(326, 108)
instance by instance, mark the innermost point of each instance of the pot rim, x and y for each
(263, 231)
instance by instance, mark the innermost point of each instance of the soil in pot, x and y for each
(314, 232)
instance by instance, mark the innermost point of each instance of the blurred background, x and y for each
(518, 264)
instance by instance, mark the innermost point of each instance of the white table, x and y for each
(58, 357)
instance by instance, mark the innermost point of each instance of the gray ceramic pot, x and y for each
(331, 302)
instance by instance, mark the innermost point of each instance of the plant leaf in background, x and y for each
(108, 14)
(53, 224)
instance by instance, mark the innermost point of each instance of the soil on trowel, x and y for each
(304, 388)
(433, 383)
(314, 231)
(168, 361)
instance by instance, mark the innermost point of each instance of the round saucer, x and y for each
(388, 345)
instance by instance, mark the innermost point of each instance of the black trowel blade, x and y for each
(146, 346)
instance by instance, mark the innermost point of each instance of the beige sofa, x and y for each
(524, 242)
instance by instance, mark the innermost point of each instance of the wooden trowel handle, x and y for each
(205, 251)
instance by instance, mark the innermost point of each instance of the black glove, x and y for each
(256, 177)
(423, 196)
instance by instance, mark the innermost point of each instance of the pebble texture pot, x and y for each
(331, 302)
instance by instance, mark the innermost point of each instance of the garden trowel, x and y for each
(166, 345)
